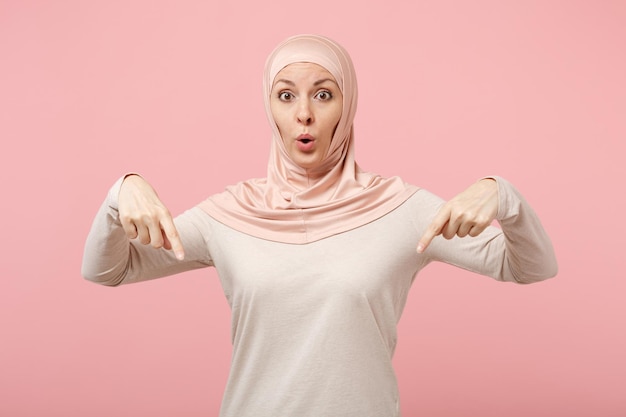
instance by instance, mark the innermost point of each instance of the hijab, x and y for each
(297, 205)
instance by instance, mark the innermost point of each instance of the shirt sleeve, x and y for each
(110, 258)
(519, 251)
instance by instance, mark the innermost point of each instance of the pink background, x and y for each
(534, 91)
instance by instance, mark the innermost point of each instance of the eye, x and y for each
(285, 96)
(324, 95)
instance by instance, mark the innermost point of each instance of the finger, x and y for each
(464, 229)
(143, 234)
(434, 229)
(156, 237)
(477, 229)
(129, 228)
(451, 228)
(172, 238)
(166, 242)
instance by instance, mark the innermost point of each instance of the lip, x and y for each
(305, 142)
(305, 136)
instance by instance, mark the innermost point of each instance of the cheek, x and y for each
(335, 119)
(277, 118)
(280, 125)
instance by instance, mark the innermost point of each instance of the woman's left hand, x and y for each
(469, 213)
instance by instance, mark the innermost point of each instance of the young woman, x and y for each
(316, 260)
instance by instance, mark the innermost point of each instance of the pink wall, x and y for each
(533, 91)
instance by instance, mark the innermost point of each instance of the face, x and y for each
(306, 104)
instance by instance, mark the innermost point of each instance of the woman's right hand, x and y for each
(144, 216)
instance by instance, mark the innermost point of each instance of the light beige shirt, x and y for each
(314, 325)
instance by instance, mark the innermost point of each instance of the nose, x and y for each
(305, 115)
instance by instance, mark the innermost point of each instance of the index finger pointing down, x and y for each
(171, 234)
(434, 229)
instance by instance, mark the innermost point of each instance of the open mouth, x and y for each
(306, 142)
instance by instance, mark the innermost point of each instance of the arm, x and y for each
(112, 258)
(520, 251)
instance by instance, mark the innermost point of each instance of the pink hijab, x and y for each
(296, 205)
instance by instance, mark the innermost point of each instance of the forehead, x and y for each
(303, 71)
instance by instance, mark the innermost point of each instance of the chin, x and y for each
(308, 166)
(306, 163)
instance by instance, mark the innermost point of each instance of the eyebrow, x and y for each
(282, 80)
(316, 83)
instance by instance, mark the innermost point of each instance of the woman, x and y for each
(317, 259)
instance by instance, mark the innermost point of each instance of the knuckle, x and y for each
(148, 218)
(125, 219)
(482, 220)
(131, 234)
(448, 234)
(468, 215)
(162, 211)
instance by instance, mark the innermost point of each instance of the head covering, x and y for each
(297, 205)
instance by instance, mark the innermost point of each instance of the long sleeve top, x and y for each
(313, 325)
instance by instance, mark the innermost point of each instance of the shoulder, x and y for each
(423, 201)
